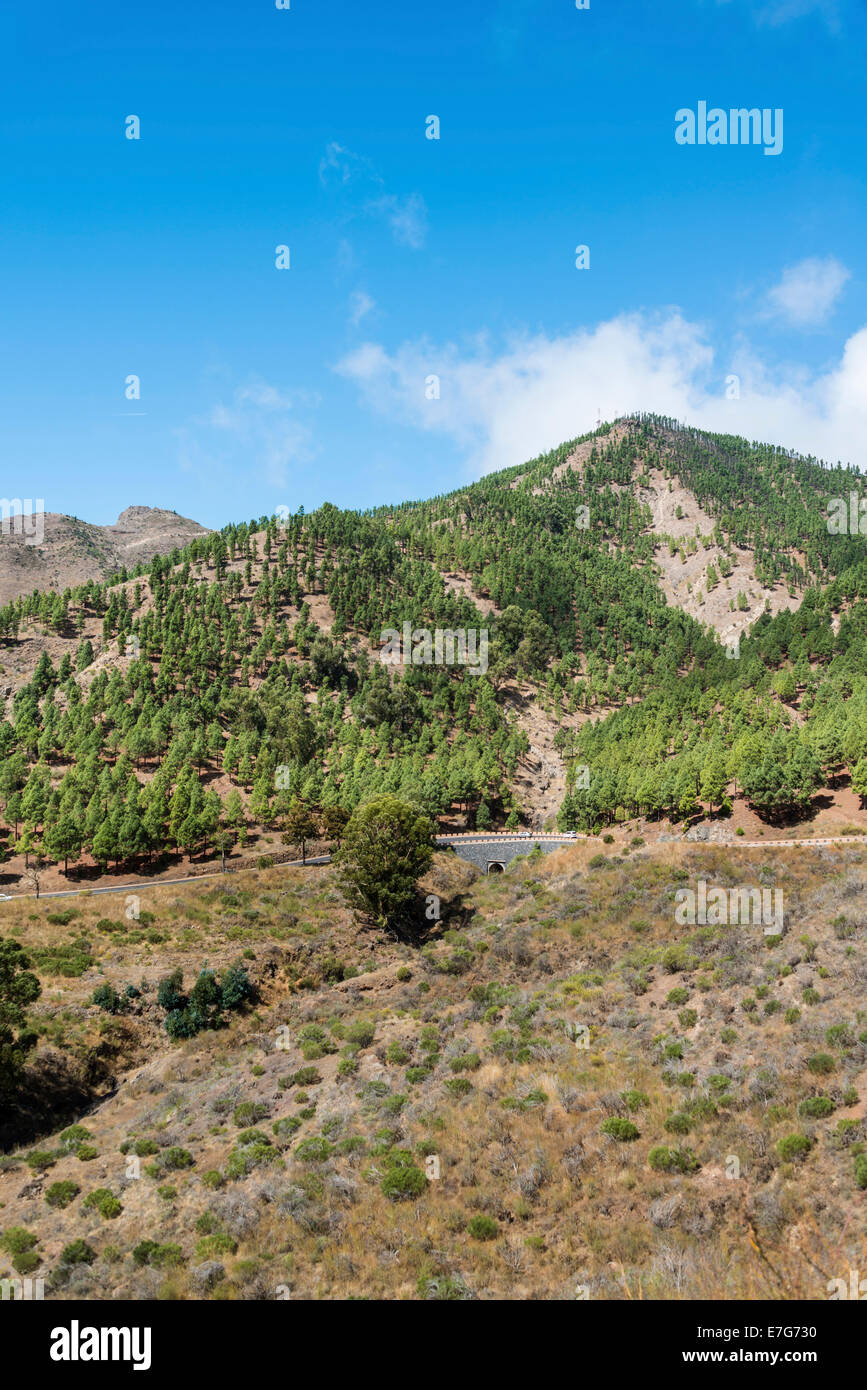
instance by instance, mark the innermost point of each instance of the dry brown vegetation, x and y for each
(466, 1049)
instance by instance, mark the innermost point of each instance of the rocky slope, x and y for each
(74, 551)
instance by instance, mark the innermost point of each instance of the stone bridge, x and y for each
(491, 853)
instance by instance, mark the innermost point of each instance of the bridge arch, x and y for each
(495, 866)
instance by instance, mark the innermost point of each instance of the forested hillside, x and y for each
(235, 684)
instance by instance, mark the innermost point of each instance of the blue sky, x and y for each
(412, 257)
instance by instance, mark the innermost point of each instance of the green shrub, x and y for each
(483, 1228)
(794, 1146)
(107, 998)
(286, 1127)
(678, 995)
(314, 1150)
(176, 1158)
(634, 1100)
(77, 1252)
(678, 1123)
(144, 1148)
(249, 1112)
(416, 1074)
(60, 1194)
(306, 1076)
(665, 1160)
(816, 1107)
(361, 1033)
(69, 1139)
(821, 1064)
(403, 1182)
(618, 1128)
(467, 1061)
(40, 1159)
(702, 1108)
(101, 1199)
(458, 1086)
(210, 1247)
(676, 958)
(149, 1252)
(26, 1262)
(17, 1240)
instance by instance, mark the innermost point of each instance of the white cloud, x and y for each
(503, 407)
(782, 11)
(340, 166)
(807, 291)
(259, 428)
(362, 189)
(778, 12)
(407, 218)
(360, 305)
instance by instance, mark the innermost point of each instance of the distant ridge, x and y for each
(74, 552)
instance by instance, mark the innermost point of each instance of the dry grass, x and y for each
(532, 1198)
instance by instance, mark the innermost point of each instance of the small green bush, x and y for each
(678, 1123)
(249, 1112)
(314, 1150)
(209, 1247)
(17, 1240)
(821, 1064)
(793, 1147)
(60, 1194)
(106, 998)
(816, 1107)
(618, 1128)
(634, 1100)
(77, 1252)
(306, 1076)
(69, 1139)
(176, 1158)
(403, 1182)
(101, 1199)
(483, 1228)
(665, 1160)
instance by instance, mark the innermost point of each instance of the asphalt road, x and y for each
(326, 859)
(161, 882)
